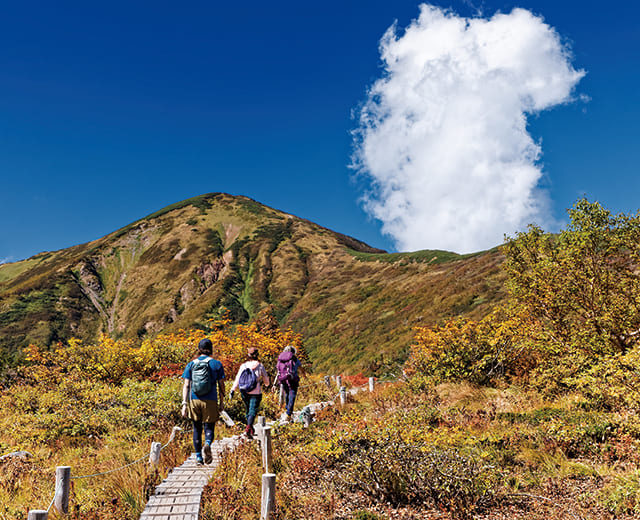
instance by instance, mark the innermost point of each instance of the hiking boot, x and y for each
(248, 431)
(199, 460)
(207, 453)
(285, 418)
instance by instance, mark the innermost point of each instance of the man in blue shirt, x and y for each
(203, 398)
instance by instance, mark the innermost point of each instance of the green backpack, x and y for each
(201, 378)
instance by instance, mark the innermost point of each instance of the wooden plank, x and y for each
(173, 508)
(172, 516)
(174, 501)
(178, 497)
(157, 504)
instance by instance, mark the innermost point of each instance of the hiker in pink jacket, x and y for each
(249, 380)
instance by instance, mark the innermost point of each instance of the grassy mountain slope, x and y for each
(217, 253)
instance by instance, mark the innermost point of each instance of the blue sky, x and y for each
(111, 111)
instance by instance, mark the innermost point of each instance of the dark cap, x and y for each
(252, 352)
(205, 345)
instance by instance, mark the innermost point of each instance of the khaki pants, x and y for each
(204, 410)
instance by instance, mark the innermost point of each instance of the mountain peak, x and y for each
(219, 254)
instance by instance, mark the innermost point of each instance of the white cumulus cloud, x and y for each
(442, 136)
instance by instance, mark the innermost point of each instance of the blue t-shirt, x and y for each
(217, 371)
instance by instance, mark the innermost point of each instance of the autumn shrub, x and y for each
(611, 383)
(389, 468)
(356, 380)
(490, 351)
(114, 361)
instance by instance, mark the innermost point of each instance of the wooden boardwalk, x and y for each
(178, 497)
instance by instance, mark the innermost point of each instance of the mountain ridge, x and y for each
(216, 254)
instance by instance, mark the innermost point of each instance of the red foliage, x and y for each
(170, 370)
(356, 380)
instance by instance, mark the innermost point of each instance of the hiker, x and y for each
(248, 380)
(287, 366)
(203, 398)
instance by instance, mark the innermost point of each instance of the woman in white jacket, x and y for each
(249, 380)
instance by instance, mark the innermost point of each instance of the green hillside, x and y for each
(219, 254)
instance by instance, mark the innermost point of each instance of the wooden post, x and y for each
(258, 426)
(343, 395)
(372, 384)
(339, 382)
(63, 482)
(154, 453)
(268, 496)
(266, 449)
(37, 514)
(327, 381)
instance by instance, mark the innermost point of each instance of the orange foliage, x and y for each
(356, 380)
(161, 356)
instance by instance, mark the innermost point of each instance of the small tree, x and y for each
(483, 352)
(583, 285)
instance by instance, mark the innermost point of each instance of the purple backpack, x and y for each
(287, 370)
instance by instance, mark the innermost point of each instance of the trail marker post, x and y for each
(339, 382)
(372, 384)
(266, 449)
(260, 424)
(343, 395)
(154, 453)
(37, 514)
(268, 496)
(63, 481)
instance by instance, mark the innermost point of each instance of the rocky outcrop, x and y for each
(209, 273)
(204, 276)
(89, 278)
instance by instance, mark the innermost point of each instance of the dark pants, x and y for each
(197, 434)
(251, 404)
(290, 390)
